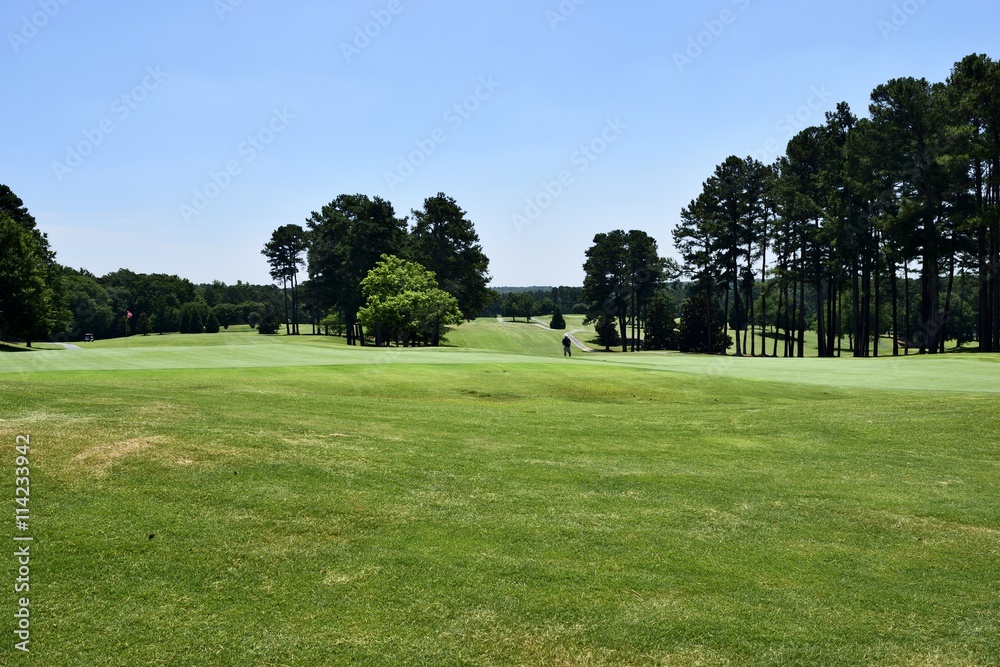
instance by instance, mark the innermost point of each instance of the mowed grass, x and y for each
(506, 508)
(518, 337)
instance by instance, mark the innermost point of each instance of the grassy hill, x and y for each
(244, 499)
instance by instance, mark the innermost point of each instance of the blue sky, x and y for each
(174, 137)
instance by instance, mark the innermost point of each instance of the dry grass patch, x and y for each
(99, 459)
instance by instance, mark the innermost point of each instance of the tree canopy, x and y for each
(623, 271)
(348, 236)
(404, 303)
(32, 303)
(445, 241)
(284, 254)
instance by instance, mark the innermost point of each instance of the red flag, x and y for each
(128, 313)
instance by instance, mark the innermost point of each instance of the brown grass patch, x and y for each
(100, 458)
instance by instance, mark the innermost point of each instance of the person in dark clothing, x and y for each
(567, 349)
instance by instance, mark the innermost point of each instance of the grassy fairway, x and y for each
(495, 504)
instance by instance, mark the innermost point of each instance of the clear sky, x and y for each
(176, 136)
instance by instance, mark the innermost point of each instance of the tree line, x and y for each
(42, 299)
(635, 299)
(867, 227)
(420, 279)
(529, 301)
(160, 303)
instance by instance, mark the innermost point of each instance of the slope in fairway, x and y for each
(481, 506)
(487, 341)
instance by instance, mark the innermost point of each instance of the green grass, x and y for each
(514, 337)
(495, 504)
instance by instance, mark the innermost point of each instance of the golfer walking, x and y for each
(567, 350)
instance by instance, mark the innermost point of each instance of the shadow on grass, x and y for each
(7, 347)
(597, 346)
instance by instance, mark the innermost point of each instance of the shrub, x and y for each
(660, 324)
(192, 320)
(269, 322)
(607, 332)
(700, 323)
(142, 325)
(558, 321)
(333, 324)
(212, 323)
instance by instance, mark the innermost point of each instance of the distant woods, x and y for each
(866, 227)
(159, 304)
(432, 273)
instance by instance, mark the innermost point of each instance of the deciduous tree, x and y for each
(31, 301)
(403, 302)
(347, 238)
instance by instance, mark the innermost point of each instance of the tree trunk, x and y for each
(877, 329)
(284, 292)
(763, 289)
(855, 303)
(818, 270)
(894, 294)
(863, 334)
(995, 274)
(820, 330)
(906, 306)
(295, 303)
(711, 319)
(985, 326)
(947, 303)
(791, 319)
(930, 303)
(635, 315)
(840, 322)
(350, 327)
(802, 318)
(993, 201)
(831, 315)
(777, 322)
(748, 307)
(725, 317)
(737, 299)
(960, 329)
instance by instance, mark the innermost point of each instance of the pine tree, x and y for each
(558, 321)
